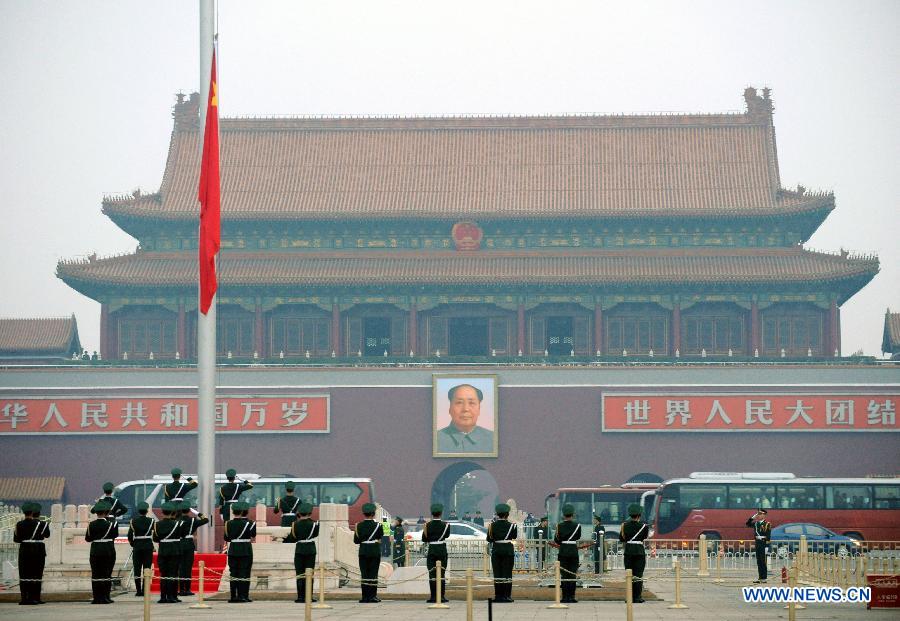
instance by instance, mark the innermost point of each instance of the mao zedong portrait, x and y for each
(463, 435)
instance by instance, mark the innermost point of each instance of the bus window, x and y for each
(265, 493)
(751, 496)
(582, 503)
(341, 493)
(887, 496)
(701, 497)
(848, 497)
(800, 497)
(308, 492)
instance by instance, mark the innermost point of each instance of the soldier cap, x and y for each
(26, 507)
(305, 508)
(36, 508)
(634, 509)
(501, 508)
(176, 472)
(437, 509)
(598, 518)
(763, 511)
(368, 509)
(568, 510)
(185, 506)
(230, 473)
(544, 518)
(168, 507)
(478, 513)
(108, 487)
(100, 507)
(289, 486)
(143, 506)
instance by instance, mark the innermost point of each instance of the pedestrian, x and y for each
(30, 534)
(230, 493)
(632, 534)
(367, 534)
(543, 533)
(140, 536)
(102, 533)
(599, 545)
(239, 533)
(189, 526)
(399, 547)
(453, 515)
(116, 508)
(435, 535)
(421, 520)
(501, 534)
(167, 532)
(479, 519)
(467, 517)
(568, 539)
(385, 537)
(177, 490)
(762, 532)
(304, 532)
(287, 505)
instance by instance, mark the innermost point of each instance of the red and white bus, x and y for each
(718, 504)
(610, 502)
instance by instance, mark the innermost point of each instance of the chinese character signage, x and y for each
(763, 411)
(156, 414)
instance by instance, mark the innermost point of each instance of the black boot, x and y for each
(138, 587)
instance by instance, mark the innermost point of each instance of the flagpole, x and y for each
(206, 326)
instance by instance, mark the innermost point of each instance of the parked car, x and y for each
(458, 531)
(786, 539)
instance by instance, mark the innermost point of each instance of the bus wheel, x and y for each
(712, 541)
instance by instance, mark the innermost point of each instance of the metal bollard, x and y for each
(629, 603)
(860, 571)
(406, 554)
(719, 579)
(307, 594)
(200, 582)
(437, 588)
(469, 594)
(484, 562)
(606, 546)
(148, 579)
(802, 552)
(557, 589)
(794, 581)
(321, 603)
(704, 559)
(678, 603)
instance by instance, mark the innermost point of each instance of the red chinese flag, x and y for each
(210, 195)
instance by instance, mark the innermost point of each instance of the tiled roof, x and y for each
(39, 335)
(891, 341)
(358, 269)
(32, 488)
(489, 167)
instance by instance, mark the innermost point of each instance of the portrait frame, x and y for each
(446, 440)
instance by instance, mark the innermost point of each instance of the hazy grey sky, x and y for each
(86, 90)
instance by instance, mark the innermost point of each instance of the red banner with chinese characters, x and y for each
(763, 411)
(160, 414)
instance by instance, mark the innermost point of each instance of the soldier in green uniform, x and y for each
(186, 564)
(367, 535)
(239, 531)
(304, 532)
(632, 534)
(167, 533)
(102, 533)
(542, 533)
(287, 505)
(399, 546)
(30, 534)
(599, 548)
(230, 493)
(140, 536)
(435, 535)
(567, 539)
(762, 532)
(177, 490)
(501, 534)
(116, 508)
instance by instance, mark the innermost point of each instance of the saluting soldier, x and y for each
(116, 508)
(632, 534)
(230, 493)
(599, 544)
(30, 534)
(167, 533)
(287, 505)
(501, 534)
(304, 532)
(567, 538)
(177, 489)
(399, 547)
(102, 533)
(189, 526)
(140, 536)
(368, 535)
(435, 535)
(239, 533)
(762, 532)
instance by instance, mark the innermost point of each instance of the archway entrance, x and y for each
(465, 487)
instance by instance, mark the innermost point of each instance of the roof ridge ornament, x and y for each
(756, 105)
